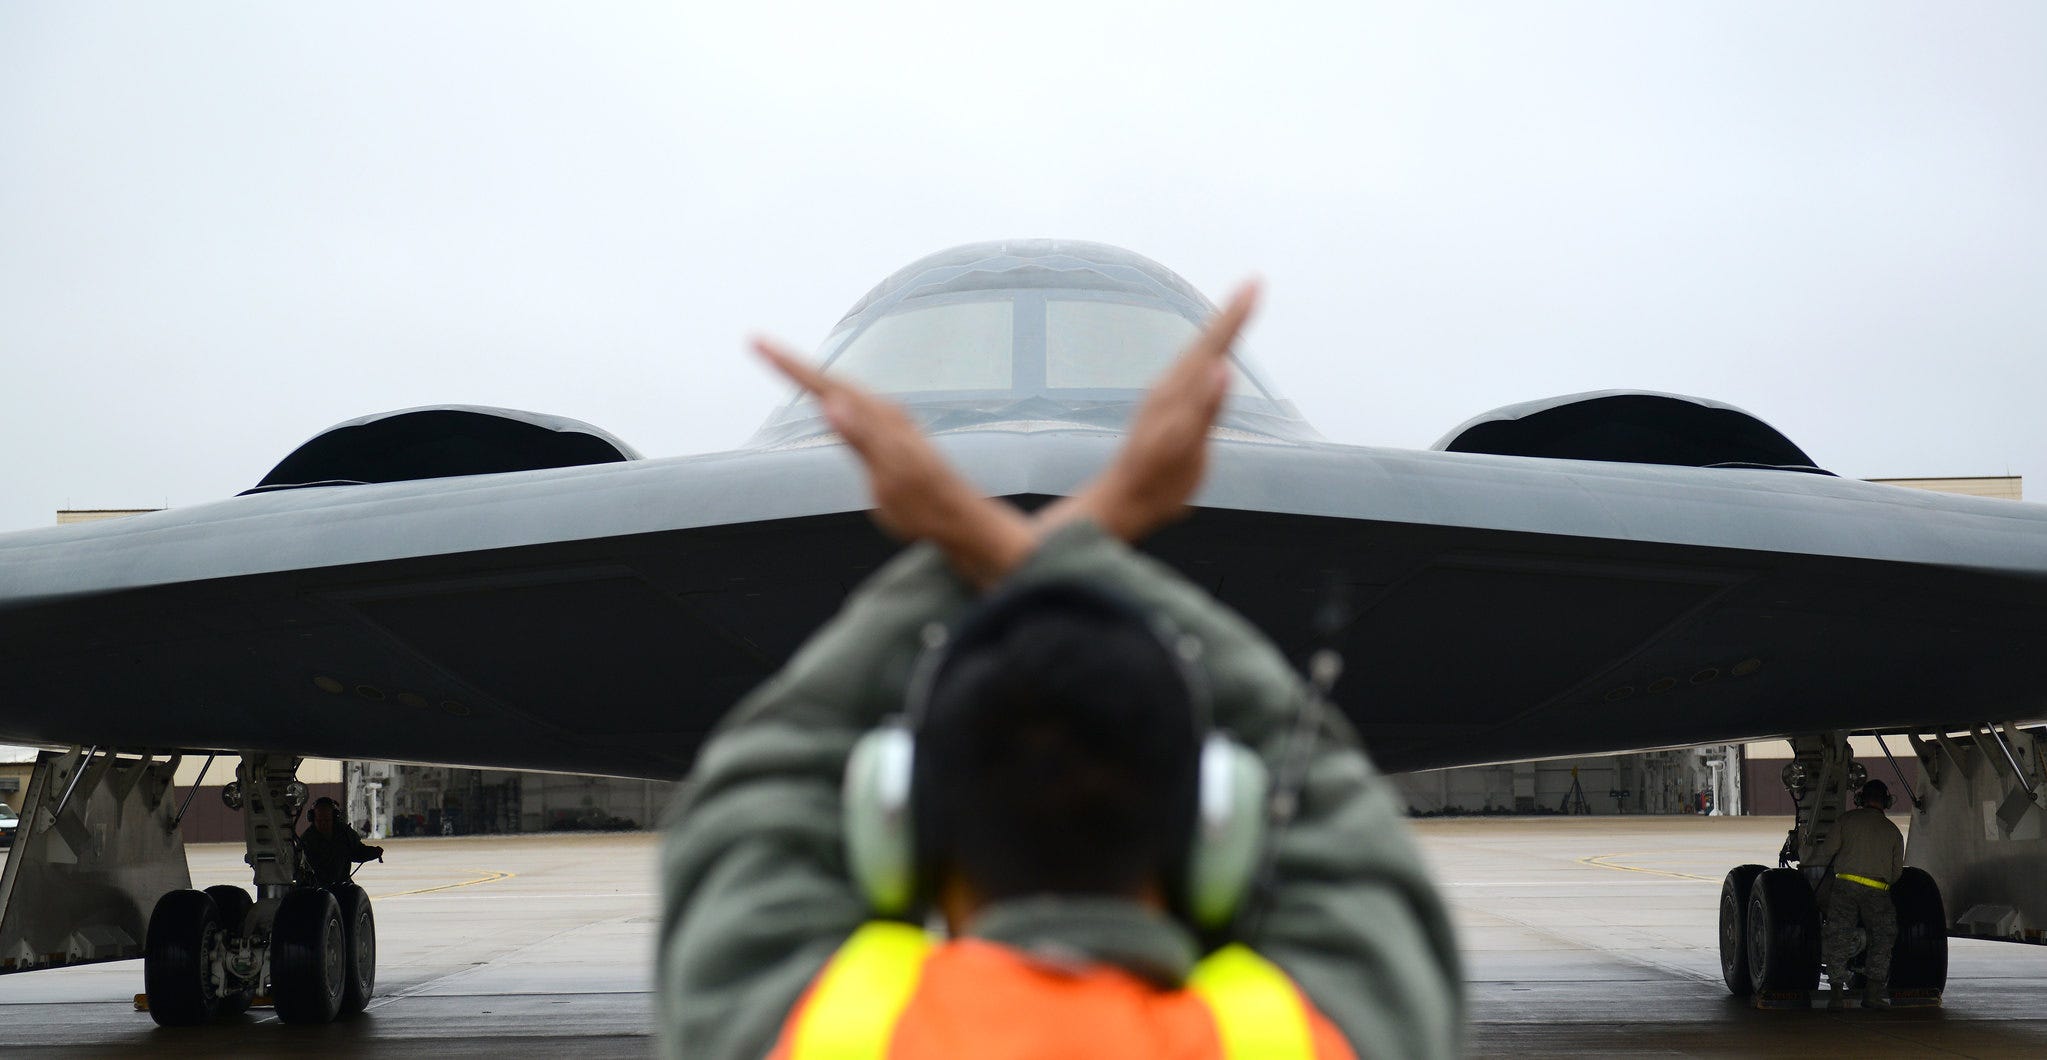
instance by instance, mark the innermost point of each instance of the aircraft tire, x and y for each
(308, 957)
(182, 928)
(360, 923)
(233, 904)
(1783, 932)
(1734, 895)
(1919, 960)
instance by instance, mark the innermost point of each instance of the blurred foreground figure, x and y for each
(1030, 794)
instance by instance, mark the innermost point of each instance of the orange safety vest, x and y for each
(890, 993)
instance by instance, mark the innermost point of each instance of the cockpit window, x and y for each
(1029, 343)
(962, 346)
(1094, 345)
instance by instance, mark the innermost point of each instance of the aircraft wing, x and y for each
(602, 618)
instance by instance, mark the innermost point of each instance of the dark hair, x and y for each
(1874, 791)
(1057, 751)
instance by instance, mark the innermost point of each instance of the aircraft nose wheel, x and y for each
(308, 957)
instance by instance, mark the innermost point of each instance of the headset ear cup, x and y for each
(880, 835)
(1229, 829)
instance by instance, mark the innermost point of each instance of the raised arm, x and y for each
(917, 495)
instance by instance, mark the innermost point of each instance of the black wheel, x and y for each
(1919, 961)
(177, 959)
(1783, 932)
(1734, 893)
(360, 925)
(232, 904)
(308, 957)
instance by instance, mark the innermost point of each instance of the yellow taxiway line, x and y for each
(486, 876)
(1600, 861)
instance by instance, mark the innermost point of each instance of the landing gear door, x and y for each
(95, 849)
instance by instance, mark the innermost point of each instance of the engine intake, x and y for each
(1630, 426)
(442, 441)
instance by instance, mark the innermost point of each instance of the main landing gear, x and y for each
(1770, 920)
(311, 950)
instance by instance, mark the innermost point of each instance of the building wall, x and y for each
(1647, 782)
(2003, 487)
(401, 800)
(555, 801)
(1763, 779)
(92, 515)
(209, 820)
(14, 774)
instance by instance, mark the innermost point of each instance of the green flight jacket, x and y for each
(756, 895)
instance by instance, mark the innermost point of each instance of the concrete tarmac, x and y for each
(1582, 936)
(1599, 936)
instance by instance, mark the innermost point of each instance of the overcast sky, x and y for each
(224, 228)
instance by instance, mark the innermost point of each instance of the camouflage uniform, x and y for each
(1864, 843)
(1847, 904)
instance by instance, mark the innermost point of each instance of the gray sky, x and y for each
(224, 228)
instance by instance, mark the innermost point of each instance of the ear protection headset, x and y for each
(1878, 792)
(879, 803)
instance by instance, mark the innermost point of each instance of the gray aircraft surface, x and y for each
(1594, 573)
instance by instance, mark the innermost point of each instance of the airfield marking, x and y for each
(489, 876)
(1599, 861)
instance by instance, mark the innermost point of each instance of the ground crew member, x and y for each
(331, 847)
(1864, 854)
(1048, 794)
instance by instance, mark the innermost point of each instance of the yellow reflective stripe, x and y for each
(862, 992)
(1257, 1011)
(1864, 880)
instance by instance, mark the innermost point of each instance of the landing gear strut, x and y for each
(211, 953)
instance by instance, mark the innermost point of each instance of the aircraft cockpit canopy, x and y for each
(1028, 335)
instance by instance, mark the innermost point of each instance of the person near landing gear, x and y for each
(1864, 855)
(331, 847)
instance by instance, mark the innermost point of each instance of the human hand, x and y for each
(918, 496)
(1165, 451)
